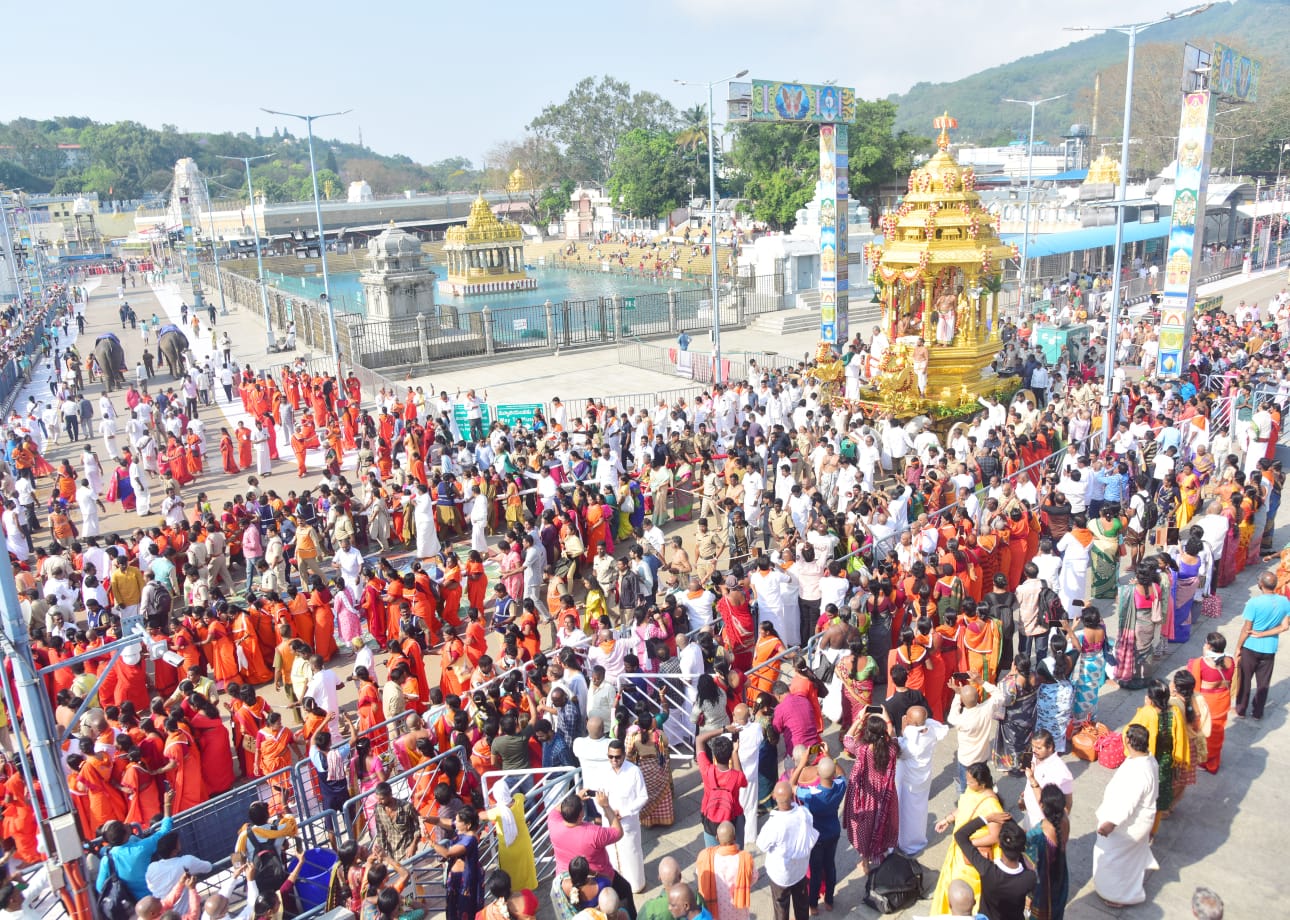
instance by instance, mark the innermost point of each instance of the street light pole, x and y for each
(1113, 320)
(270, 345)
(322, 238)
(10, 259)
(1030, 182)
(712, 226)
(219, 279)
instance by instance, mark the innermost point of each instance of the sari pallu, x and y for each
(1104, 559)
(1226, 568)
(683, 491)
(1125, 644)
(1089, 676)
(1214, 683)
(1186, 587)
(857, 687)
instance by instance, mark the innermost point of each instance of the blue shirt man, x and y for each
(1266, 616)
(132, 856)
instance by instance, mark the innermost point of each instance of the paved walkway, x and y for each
(1223, 835)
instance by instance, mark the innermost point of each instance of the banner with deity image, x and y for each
(1186, 234)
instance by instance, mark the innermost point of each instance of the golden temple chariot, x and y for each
(938, 273)
(485, 256)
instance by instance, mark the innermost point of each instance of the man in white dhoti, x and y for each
(750, 741)
(260, 444)
(1072, 581)
(770, 589)
(627, 796)
(919, 735)
(108, 429)
(878, 346)
(92, 470)
(1122, 850)
(478, 521)
(142, 494)
(423, 520)
(88, 501)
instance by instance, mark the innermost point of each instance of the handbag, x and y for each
(1211, 605)
(1085, 740)
(1110, 750)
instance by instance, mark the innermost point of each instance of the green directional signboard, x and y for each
(517, 413)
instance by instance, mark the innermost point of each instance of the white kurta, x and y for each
(627, 796)
(1122, 858)
(87, 501)
(914, 782)
(423, 518)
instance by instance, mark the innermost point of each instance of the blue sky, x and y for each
(434, 79)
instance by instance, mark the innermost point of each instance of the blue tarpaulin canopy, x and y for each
(1054, 244)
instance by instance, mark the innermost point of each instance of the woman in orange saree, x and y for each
(142, 791)
(184, 767)
(452, 660)
(177, 462)
(324, 620)
(476, 581)
(247, 638)
(370, 713)
(194, 445)
(763, 674)
(276, 749)
(243, 436)
(450, 589)
(221, 651)
(228, 453)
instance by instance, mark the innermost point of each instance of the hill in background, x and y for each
(1260, 28)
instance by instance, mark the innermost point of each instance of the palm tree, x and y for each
(694, 129)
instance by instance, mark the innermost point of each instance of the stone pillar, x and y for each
(490, 346)
(994, 318)
(671, 310)
(616, 318)
(423, 337)
(549, 309)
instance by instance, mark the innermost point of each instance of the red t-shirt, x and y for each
(587, 840)
(719, 807)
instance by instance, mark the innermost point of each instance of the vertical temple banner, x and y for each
(1186, 233)
(190, 251)
(834, 206)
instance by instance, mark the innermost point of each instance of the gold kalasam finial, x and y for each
(944, 124)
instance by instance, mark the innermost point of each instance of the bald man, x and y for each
(682, 905)
(216, 906)
(822, 799)
(720, 871)
(787, 838)
(919, 735)
(657, 907)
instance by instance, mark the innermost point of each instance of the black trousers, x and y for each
(794, 894)
(808, 613)
(627, 898)
(1254, 666)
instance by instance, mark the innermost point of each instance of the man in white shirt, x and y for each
(625, 786)
(975, 720)
(350, 562)
(323, 688)
(1046, 769)
(787, 838)
(592, 751)
(698, 603)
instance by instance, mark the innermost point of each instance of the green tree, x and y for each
(878, 154)
(330, 161)
(650, 173)
(587, 127)
(775, 167)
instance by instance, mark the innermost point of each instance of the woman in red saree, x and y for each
(142, 791)
(450, 589)
(194, 445)
(221, 652)
(271, 427)
(215, 748)
(183, 769)
(373, 605)
(275, 750)
(176, 461)
(738, 631)
(476, 581)
(324, 619)
(228, 452)
(476, 638)
(370, 713)
(243, 436)
(19, 821)
(302, 620)
(247, 638)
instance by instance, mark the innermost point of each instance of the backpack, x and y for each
(719, 804)
(1051, 611)
(894, 885)
(115, 901)
(1150, 513)
(270, 867)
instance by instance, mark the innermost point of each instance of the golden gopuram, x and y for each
(938, 274)
(485, 256)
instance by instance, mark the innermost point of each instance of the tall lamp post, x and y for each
(1231, 163)
(270, 345)
(219, 279)
(712, 223)
(1030, 183)
(322, 239)
(1113, 320)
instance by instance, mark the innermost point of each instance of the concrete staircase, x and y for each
(806, 316)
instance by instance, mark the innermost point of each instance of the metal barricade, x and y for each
(403, 785)
(545, 790)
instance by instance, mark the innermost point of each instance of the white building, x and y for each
(591, 214)
(359, 191)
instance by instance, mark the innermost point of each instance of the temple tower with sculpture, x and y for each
(937, 274)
